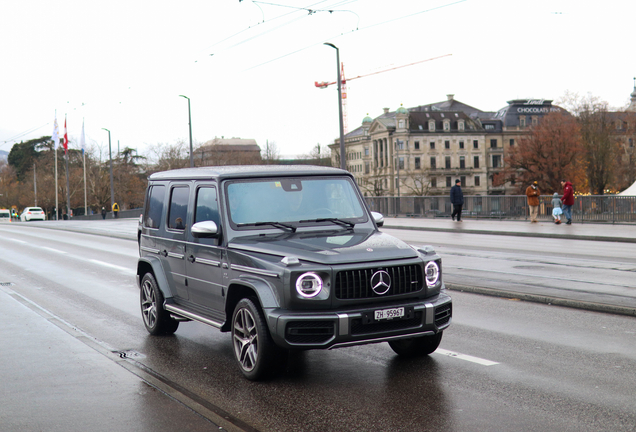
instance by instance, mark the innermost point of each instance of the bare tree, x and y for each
(270, 154)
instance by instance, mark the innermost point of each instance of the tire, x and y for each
(416, 347)
(254, 349)
(156, 319)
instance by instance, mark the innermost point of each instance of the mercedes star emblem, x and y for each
(380, 282)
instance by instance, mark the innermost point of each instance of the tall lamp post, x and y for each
(343, 162)
(190, 126)
(110, 158)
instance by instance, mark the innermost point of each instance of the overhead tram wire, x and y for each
(360, 29)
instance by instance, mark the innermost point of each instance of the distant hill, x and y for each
(4, 154)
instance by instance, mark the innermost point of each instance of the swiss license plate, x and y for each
(389, 313)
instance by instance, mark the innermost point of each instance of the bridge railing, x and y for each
(589, 208)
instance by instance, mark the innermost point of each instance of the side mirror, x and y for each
(378, 218)
(205, 229)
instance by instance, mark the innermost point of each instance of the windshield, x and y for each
(291, 200)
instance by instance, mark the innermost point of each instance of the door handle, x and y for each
(191, 258)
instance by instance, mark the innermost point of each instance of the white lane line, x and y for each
(113, 266)
(52, 250)
(466, 357)
(16, 240)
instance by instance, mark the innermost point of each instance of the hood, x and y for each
(328, 247)
(556, 194)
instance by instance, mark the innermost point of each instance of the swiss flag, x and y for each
(65, 137)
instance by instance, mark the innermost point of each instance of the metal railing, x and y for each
(590, 208)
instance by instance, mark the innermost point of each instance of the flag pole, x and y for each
(56, 142)
(83, 145)
(68, 190)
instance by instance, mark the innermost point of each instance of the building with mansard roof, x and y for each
(423, 150)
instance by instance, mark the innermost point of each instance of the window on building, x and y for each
(461, 145)
(431, 125)
(475, 161)
(447, 125)
(401, 124)
(366, 151)
(448, 182)
(416, 145)
(522, 121)
(496, 161)
(535, 120)
(417, 163)
(493, 143)
(448, 162)
(401, 163)
(433, 163)
(399, 144)
(446, 144)
(434, 182)
(462, 162)
(432, 145)
(367, 167)
(462, 179)
(489, 127)
(512, 142)
(477, 181)
(460, 125)
(475, 144)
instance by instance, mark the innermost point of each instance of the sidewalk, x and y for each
(589, 232)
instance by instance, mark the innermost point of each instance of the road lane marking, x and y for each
(466, 357)
(16, 240)
(113, 266)
(53, 250)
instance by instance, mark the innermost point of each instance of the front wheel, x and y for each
(254, 348)
(418, 346)
(156, 319)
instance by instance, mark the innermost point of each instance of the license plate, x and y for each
(389, 313)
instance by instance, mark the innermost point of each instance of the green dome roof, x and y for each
(402, 110)
(367, 119)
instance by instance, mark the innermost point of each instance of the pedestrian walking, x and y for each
(116, 209)
(568, 200)
(556, 208)
(457, 200)
(103, 213)
(533, 193)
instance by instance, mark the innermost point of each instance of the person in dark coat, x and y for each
(103, 213)
(457, 200)
(568, 200)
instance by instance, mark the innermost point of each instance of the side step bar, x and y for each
(189, 315)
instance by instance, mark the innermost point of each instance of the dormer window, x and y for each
(460, 125)
(431, 125)
(401, 124)
(446, 125)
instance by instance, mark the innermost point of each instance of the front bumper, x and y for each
(348, 327)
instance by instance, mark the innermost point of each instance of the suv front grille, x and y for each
(443, 315)
(356, 284)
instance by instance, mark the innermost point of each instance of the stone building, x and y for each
(228, 151)
(423, 150)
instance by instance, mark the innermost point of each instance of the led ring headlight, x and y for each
(432, 273)
(309, 285)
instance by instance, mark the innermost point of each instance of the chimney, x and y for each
(450, 97)
(386, 110)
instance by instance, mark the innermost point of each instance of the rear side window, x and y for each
(207, 205)
(178, 207)
(154, 206)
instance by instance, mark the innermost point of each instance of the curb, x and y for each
(515, 234)
(556, 301)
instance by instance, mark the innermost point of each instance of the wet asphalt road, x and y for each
(503, 365)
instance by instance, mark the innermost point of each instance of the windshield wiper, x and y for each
(274, 224)
(341, 222)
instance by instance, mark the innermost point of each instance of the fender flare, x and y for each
(264, 291)
(153, 264)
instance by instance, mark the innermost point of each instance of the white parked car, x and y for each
(5, 215)
(32, 213)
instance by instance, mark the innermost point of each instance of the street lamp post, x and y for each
(343, 162)
(110, 158)
(190, 126)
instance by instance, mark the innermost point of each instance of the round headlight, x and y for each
(309, 285)
(432, 273)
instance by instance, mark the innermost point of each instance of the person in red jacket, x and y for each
(568, 200)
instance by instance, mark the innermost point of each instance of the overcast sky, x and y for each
(249, 67)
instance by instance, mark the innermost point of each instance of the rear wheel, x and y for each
(254, 348)
(156, 319)
(415, 347)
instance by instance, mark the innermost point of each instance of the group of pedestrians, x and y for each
(560, 206)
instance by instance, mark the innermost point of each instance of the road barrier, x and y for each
(589, 208)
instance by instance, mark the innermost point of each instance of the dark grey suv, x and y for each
(283, 257)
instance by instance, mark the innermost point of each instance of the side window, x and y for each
(154, 206)
(178, 207)
(207, 206)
